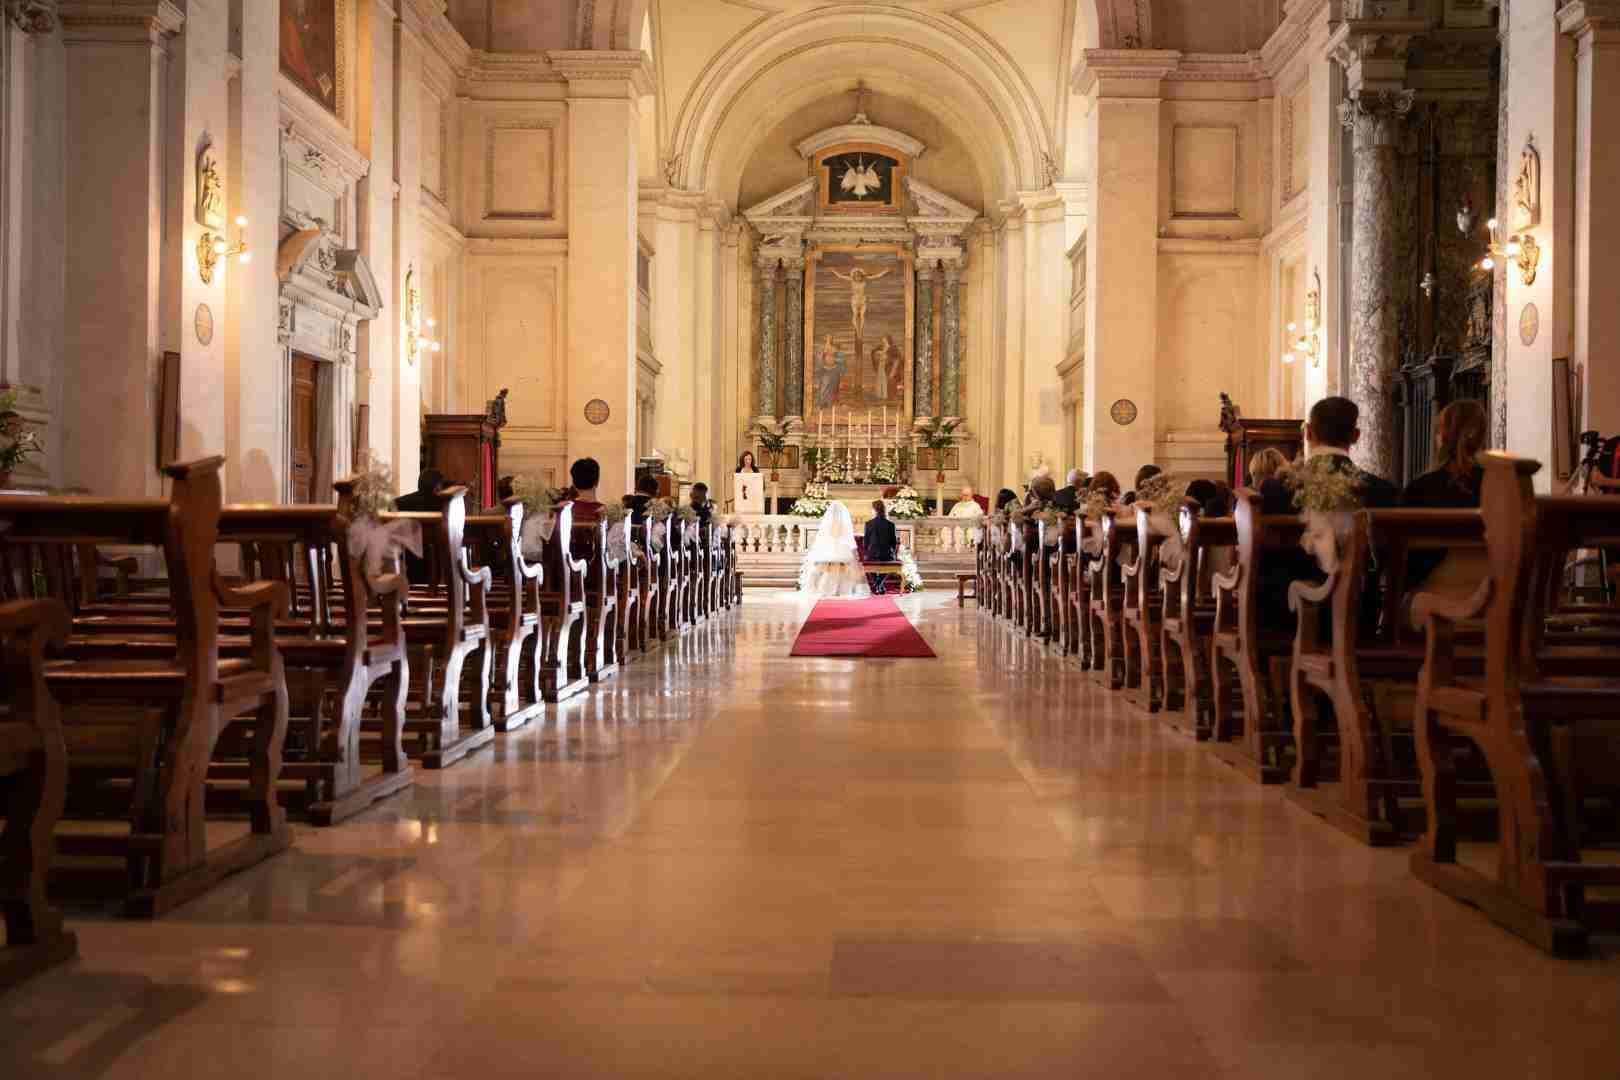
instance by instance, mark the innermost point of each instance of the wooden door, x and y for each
(304, 450)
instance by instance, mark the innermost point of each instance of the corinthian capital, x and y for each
(32, 16)
(1374, 115)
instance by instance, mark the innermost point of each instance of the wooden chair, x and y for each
(562, 612)
(1551, 738)
(1107, 598)
(448, 623)
(1358, 749)
(34, 770)
(140, 729)
(1142, 613)
(1189, 616)
(1256, 738)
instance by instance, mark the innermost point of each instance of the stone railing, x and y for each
(785, 534)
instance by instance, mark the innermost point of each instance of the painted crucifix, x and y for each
(858, 280)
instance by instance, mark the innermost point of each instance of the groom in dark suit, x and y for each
(881, 545)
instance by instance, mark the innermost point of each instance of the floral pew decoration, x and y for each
(1326, 495)
(369, 537)
(540, 502)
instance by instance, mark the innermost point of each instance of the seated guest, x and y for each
(503, 488)
(1203, 492)
(1144, 474)
(1068, 496)
(881, 544)
(586, 474)
(1106, 483)
(1266, 464)
(423, 500)
(700, 502)
(1042, 490)
(646, 491)
(1005, 498)
(968, 505)
(1460, 432)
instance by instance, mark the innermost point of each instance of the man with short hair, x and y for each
(1332, 431)
(586, 475)
(646, 492)
(700, 502)
(967, 506)
(882, 544)
(424, 500)
(1067, 498)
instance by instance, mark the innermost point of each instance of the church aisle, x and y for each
(729, 863)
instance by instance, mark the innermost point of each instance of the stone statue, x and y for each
(210, 189)
(1527, 188)
(858, 280)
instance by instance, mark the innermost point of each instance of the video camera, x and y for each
(1600, 453)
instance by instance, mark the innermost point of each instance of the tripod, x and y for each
(1578, 571)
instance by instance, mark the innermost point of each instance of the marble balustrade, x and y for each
(778, 534)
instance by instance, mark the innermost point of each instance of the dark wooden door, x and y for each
(304, 449)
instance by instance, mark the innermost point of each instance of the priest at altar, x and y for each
(970, 505)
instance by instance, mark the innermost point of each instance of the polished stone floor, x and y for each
(728, 863)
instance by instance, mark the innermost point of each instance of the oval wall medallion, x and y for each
(1123, 411)
(1529, 324)
(597, 411)
(204, 324)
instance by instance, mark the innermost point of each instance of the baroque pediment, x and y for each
(932, 203)
(309, 260)
(865, 134)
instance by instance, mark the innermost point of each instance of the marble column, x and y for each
(793, 337)
(1375, 118)
(922, 390)
(765, 348)
(950, 345)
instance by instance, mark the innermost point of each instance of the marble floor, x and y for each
(729, 863)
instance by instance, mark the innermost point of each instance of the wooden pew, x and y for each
(447, 623)
(1142, 613)
(1256, 737)
(514, 615)
(1049, 537)
(1189, 616)
(140, 729)
(632, 605)
(1551, 738)
(601, 581)
(562, 612)
(34, 763)
(659, 582)
(1107, 597)
(1365, 661)
(1087, 543)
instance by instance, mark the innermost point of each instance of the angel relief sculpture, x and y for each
(1527, 188)
(861, 179)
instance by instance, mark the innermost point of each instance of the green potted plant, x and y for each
(773, 439)
(18, 438)
(937, 436)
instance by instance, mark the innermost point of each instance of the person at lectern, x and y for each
(882, 544)
(746, 462)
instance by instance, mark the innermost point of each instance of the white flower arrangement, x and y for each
(538, 499)
(1162, 489)
(374, 489)
(1093, 505)
(1326, 494)
(910, 576)
(906, 504)
(813, 503)
(886, 470)
(835, 470)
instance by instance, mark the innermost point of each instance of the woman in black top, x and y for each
(1003, 497)
(1453, 484)
(746, 462)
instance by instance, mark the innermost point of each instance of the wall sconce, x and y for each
(1522, 250)
(415, 341)
(212, 248)
(1308, 341)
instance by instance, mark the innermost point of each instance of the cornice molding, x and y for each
(120, 20)
(1584, 18)
(1299, 25)
(583, 68)
(1124, 72)
(867, 133)
(492, 67)
(1220, 67)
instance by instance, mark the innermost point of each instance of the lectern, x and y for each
(748, 493)
(466, 448)
(1246, 437)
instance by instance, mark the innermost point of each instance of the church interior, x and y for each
(809, 538)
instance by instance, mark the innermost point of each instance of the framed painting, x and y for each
(859, 309)
(310, 52)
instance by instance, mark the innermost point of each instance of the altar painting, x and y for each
(858, 337)
(309, 48)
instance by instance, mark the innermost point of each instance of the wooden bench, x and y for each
(34, 764)
(1107, 597)
(1256, 737)
(514, 614)
(141, 729)
(562, 612)
(1087, 543)
(1142, 614)
(1356, 766)
(601, 591)
(1188, 624)
(447, 623)
(1551, 737)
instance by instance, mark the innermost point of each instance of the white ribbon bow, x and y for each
(618, 542)
(655, 534)
(536, 533)
(377, 541)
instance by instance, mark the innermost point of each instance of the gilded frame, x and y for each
(906, 259)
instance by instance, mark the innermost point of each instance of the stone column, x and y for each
(604, 126)
(1375, 118)
(950, 345)
(793, 340)
(922, 390)
(765, 347)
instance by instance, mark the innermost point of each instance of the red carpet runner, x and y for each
(874, 627)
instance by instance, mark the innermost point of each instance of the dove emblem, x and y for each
(861, 179)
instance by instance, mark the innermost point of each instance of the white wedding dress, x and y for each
(832, 567)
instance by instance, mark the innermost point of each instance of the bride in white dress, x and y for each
(832, 567)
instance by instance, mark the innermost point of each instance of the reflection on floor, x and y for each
(729, 863)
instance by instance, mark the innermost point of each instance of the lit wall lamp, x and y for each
(1308, 341)
(416, 342)
(1521, 249)
(211, 248)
